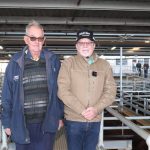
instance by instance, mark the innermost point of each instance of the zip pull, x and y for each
(54, 69)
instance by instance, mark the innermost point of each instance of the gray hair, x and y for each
(33, 23)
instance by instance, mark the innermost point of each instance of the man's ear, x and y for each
(94, 45)
(26, 39)
(76, 46)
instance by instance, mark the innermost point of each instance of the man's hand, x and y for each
(90, 113)
(61, 124)
(8, 131)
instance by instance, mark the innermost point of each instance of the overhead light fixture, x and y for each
(147, 41)
(1, 47)
(9, 55)
(102, 56)
(66, 56)
(113, 48)
(135, 48)
(130, 51)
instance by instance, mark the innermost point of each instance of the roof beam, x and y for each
(72, 4)
(77, 21)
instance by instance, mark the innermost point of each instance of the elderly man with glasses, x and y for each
(32, 112)
(86, 86)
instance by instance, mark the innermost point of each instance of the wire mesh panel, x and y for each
(3, 137)
(1, 81)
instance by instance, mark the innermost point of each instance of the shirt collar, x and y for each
(28, 55)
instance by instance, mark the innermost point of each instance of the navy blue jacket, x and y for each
(13, 97)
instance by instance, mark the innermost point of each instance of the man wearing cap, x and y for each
(86, 86)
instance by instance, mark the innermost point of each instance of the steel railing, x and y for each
(141, 132)
(4, 145)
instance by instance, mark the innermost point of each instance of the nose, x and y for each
(85, 44)
(37, 40)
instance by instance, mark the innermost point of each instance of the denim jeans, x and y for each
(82, 135)
(39, 140)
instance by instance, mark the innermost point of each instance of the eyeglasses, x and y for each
(85, 43)
(40, 39)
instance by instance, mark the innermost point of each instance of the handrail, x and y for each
(100, 145)
(142, 133)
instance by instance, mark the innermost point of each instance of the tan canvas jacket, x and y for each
(81, 85)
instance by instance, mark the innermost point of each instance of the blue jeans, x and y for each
(82, 135)
(39, 140)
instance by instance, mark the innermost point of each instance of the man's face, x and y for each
(35, 39)
(85, 47)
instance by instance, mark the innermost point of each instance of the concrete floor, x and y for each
(60, 142)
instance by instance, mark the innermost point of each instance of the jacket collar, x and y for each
(28, 54)
(85, 60)
(20, 60)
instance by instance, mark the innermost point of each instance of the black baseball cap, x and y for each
(85, 34)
